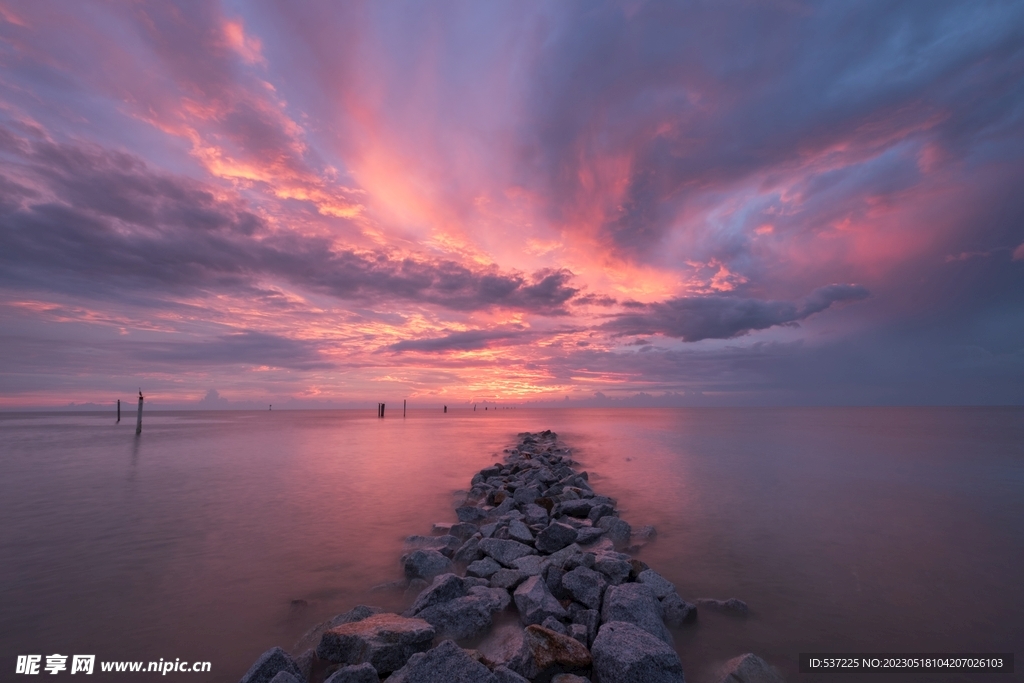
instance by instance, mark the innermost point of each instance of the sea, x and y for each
(216, 535)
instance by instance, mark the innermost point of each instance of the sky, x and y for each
(232, 204)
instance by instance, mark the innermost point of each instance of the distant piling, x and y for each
(138, 420)
(446, 409)
(382, 410)
(118, 410)
(403, 407)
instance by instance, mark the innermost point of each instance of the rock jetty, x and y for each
(534, 577)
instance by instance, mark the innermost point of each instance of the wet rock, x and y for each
(675, 611)
(445, 587)
(626, 653)
(567, 558)
(269, 664)
(285, 677)
(448, 663)
(441, 528)
(617, 530)
(446, 545)
(469, 513)
(503, 646)
(658, 584)
(575, 508)
(549, 653)
(469, 552)
(535, 602)
(357, 613)
(635, 603)
(484, 568)
(730, 606)
(384, 640)
(586, 586)
(505, 551)
(534, 514)
(645, 533)
(555, 537)
(305, 662)
(426, 564)
(462, 618)
(358, 673)
(497, 599)
(636, 567)
(507, 579)
(518, 531)
(749, 668)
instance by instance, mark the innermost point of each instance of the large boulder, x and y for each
(535, 602)
(384, 640)
(426, 564)
(269, 664)
(507, 579)
(468, 616)
(586, 586)
(635, 603)
(613, 566)
(469, 514)
(554, 537)
(749, 668)
(518, 531)
(656, 582)
(626, 653)
(505, 551)
(548, 653)
(616, 529)
(448, 663)
(484, 568)
(357, 673)
(469, 551)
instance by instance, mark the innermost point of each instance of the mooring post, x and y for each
(118, 410)
(138, 421)
(382, 410)
(403, 407)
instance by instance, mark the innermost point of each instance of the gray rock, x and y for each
(357, 613)
(505, 551)
(503, 674)
(469, 552)
(285, 677)
(566, 558)
(444, 588)
(598, 511)
(470, 514)
(471, 581)
(553, 578)
(526, 494)
(555, 625)
(358, 673)
(617, 570)
(579, 633)
(269, 664)
(461, 618)
(626, 653)
(658, 584)
(535, 514)
(586, 586)
(675, 611)
(588, 534)
(575, 508)
(448, 663)
(518, 531)
(618, 530)
(635, 603)
(529, 565)
(547, 653)
(730, 606)
(441, 528)
(536, 603)
(447, 544)
(507, 579)
(463, 530)
(487, 530)
(496, 599)
(588, 618)
(645, 533)
(749, 668)
(503, 646)
(384, 640)
(484, 568)
(570, 678)
(555, 537)
(305, 662)
(426, 564)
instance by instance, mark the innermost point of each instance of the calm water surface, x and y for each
(844, 529)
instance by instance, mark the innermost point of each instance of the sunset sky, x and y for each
(323, 203)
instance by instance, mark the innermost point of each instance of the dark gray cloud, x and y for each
(724, 317)
(113, 226)
(464, 341)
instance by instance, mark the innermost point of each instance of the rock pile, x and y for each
(534, 540)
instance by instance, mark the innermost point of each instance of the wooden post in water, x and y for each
(382, 410)
(118, 410)
(403, 407)
(138, 421)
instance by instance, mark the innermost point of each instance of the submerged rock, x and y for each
(626, 653)
(675, 611)
(426, 564)
(749, 668)
(730, 606)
